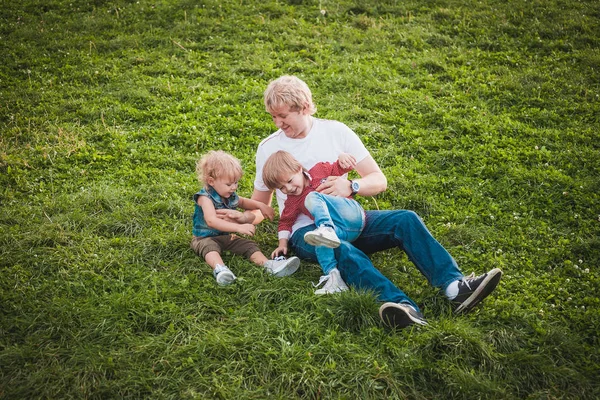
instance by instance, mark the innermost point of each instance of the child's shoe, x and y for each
(322, 236)
(281, 266)
(223, 275)
(334, 284)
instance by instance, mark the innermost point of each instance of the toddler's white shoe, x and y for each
(333, 283)
(282, 266)
(223, 275)
(322, 236)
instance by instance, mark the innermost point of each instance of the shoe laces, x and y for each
(468, 279)
(220, 268)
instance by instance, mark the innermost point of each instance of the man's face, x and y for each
(295, 124)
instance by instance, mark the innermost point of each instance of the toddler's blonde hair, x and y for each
(277, 165)
(218, 164)
(291, 91)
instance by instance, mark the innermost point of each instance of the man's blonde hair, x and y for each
(217, 164)
(291, 91)
(279, 164)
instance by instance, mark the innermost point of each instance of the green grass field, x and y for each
(484, 116)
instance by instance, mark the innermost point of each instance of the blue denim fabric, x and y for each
(402, 229)
(200, 228)
(344, 215)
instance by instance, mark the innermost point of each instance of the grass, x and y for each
(483, 116)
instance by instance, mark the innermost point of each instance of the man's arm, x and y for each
(251, 205)
(265, 197)
(372, 181)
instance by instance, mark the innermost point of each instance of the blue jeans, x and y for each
(402, 229)
(345, 216)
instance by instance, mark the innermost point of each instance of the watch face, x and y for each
(355, 187)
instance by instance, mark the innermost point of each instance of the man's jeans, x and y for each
(345, 216)
(384, 230)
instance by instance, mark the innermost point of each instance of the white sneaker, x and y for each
(334, 283)
(223, 275)
(281, 266)
(322, 236)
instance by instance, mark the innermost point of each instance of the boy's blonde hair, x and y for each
(217, 164)
(291, 91)
(277, 165)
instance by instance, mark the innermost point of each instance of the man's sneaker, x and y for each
(333, 283)
(223, 275)
(400, 315)
(322, 236)
(473, 289)
(281, 266)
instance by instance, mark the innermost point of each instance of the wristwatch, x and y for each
(355, 187)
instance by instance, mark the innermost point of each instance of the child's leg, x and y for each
(326, 258)
(247, 248)
(250, 250)
(279, 267)
(210, 249)
(213, 259)
(258, 258)
(344, 215)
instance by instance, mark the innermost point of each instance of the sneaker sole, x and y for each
(318, 240)
(288, 268)
(320, 292)
(396, 317)
(485, 288)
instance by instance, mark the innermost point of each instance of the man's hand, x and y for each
(263, 197)
(267, 211)
(335, 186)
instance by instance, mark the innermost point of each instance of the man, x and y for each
(289, 101)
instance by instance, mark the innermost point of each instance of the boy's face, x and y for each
(295, 124)
(292, 184)
(225, 187)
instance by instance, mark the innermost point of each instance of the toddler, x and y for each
(219, 173)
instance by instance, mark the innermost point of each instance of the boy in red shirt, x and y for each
(336, 218)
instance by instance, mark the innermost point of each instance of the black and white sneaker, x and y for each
(400, 315)
(473, 289)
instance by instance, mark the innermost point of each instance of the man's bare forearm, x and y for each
(263, 197)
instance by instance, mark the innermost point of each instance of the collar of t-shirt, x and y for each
(220, 202)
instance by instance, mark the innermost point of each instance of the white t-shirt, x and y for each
(326, 140)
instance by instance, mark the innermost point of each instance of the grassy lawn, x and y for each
(484, 116)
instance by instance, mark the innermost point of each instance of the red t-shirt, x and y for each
(294, 205)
